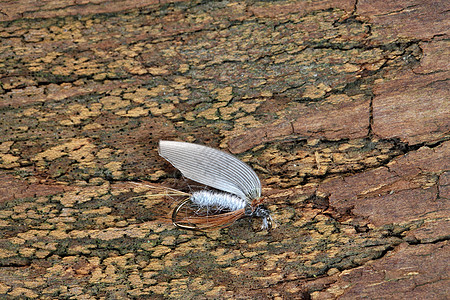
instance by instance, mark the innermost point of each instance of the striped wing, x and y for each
(212, 167)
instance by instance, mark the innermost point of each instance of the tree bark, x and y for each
(341, 107)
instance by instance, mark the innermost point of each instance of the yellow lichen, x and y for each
(159, 251)
(209, 114)
(158, 71)
(9, 161)
(113, 102)
(23, 292)
(224, 94)
(5, 146)
(133, 113)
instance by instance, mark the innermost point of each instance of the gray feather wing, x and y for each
(212, 167)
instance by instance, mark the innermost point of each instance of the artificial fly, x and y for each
(239, 188)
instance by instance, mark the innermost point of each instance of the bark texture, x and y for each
(341, 107)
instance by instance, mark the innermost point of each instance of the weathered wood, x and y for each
(341, 107)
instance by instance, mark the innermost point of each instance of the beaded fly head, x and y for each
(238, 189)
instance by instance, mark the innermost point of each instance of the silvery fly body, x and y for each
(239, 188)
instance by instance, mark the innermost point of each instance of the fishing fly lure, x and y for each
(239, 188)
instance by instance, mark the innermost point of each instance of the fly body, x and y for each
(239, 188)
(217, 201)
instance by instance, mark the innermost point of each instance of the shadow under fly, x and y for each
(238, 187)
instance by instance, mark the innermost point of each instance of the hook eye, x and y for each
(269, 223)
(183, 225)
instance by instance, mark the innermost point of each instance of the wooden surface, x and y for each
(341, 107)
